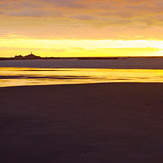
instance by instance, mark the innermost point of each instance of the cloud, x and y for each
(115, 8)
(73, 18)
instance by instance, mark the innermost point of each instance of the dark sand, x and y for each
(94, 123)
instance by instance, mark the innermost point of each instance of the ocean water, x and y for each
(121, 63)
(17, 76)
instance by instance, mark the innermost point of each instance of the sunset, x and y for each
(68, 28)
(81, 81)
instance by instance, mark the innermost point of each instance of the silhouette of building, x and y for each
(31, 56)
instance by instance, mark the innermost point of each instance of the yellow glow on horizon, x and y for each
(80, 48)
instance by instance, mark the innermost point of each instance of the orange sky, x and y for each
(81, 27)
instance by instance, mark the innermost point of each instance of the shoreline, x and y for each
(104, 122)
(85, 84)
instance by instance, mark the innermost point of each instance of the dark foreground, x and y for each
(96, 123)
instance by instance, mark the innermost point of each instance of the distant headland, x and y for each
(20, 57)
(31, 56)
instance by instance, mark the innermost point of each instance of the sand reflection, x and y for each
(50, 76)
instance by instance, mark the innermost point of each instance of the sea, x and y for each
(78, 71)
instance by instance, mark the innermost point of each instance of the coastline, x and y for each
(113, 122)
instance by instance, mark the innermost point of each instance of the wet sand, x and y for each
(91, 123)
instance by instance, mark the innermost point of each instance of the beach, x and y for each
(82, 123)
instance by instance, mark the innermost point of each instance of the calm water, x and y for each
(50, 76)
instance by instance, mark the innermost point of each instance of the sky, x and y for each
(81, 28)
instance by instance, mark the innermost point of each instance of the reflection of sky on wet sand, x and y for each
(47, 76)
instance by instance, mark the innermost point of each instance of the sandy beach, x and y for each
(91, 123)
